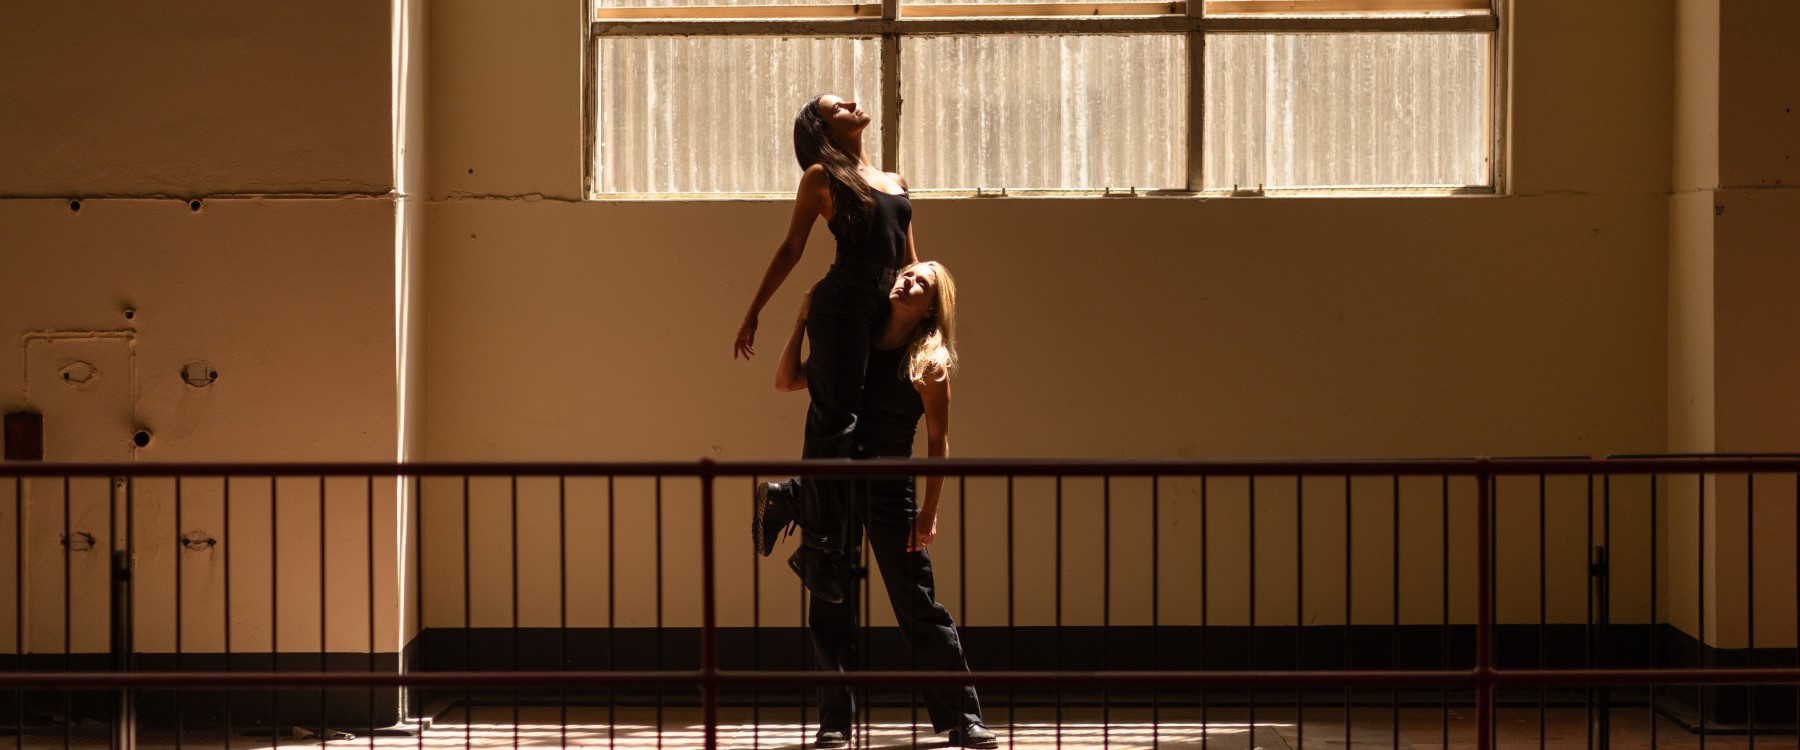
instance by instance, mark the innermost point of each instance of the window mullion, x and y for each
(1196, 130)
(890, 96)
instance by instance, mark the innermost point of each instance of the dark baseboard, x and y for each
(350, 709)
(1722, 709)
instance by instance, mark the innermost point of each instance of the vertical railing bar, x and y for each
(225, 539)
(658, 543)
(1205, 614)
(19, 601)
(418, 497)
(1155, 603)
(755, 633)
(1349, 600)
(1299, 607)
(1605, 605)
(1394, 635)
(805, 599)
(369, 525)
(175, 695)
(1057, 619)
(1750, 592)
(962, 547)
(612, 618)
(68, 589)
(1543, 603)
(1251, 650)
(562, 603)
(274, 608)
(709, 633)
(863, 655)
(468, 616)
(1587, 643)
(1654, 639)
(513, 527)
(129, 642)
(1700, 605)
(912, 574)
(1484, 607)
(1105, 608)
(1444, 602)
(324, 643)
(1011, 697)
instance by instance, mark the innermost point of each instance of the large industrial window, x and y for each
(1115, 97)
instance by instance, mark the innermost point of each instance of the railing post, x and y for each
(124, 728)
(709, 635)
(1484, 607)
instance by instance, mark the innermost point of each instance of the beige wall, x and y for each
(1574, 315)
(132, 108)
(1527, 324)
(1731, 352)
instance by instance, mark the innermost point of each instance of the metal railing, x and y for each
(1485, 486)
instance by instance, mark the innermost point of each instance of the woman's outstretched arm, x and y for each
(790, 372)
(934, 390)
(810, 201)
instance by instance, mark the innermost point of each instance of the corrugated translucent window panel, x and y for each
(1357, 8)
(1060, 112)
(1349, 110)
(716, 115)
(694, 3)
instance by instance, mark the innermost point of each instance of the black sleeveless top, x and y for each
(891, 407)
(883, 239)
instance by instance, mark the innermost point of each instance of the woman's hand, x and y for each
(746, 340)
(924, 532)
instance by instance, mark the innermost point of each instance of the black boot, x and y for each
(772, 514)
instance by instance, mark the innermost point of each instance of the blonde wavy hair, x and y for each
(933, 346)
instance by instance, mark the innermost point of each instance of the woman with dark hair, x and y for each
(911, 361)
(869, 213)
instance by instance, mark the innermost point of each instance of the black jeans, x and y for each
(886, 509)
(847, 310)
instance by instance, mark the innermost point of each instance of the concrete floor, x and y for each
(642, 728)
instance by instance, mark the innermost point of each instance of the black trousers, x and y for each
(848, 307)
(885, 509)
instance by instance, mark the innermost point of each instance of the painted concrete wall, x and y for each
(1731, 352)
(1545, 321)
(290, 300)
(1533, 323)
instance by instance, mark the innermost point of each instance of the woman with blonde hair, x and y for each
(911, 360)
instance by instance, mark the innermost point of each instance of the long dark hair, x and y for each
(852, 205)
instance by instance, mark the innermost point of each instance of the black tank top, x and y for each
(891, 407)
(883, 239)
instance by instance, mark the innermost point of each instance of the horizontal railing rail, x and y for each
(969, 467)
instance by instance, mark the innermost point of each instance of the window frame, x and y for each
(892, 20)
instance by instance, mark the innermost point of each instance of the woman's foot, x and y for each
(974, 735)
(831, 739)
(772, 513)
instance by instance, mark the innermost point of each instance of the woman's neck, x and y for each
(854, 150)
(900, 325)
